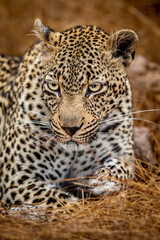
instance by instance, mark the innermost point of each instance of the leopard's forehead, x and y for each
(90, 34)
(79, 57)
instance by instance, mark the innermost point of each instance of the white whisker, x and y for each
(146, 120)
(51, 139)
(36, 113)
(128, 115)
(147, 110)
(30, 124)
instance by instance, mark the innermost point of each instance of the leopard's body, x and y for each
(66, 113)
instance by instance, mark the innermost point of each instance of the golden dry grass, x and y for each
(131, 215)
(134, 214)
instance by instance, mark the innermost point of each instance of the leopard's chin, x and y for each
(72, 146)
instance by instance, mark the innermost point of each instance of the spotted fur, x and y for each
(66, 113)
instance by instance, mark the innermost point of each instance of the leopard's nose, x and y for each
(71, 130)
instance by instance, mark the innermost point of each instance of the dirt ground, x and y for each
(135, 214)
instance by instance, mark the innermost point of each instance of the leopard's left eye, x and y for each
(95, 87)
(53, 86)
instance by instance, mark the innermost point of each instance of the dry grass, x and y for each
(134, 214)
(131, 215)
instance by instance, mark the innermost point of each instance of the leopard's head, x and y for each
(84, 77)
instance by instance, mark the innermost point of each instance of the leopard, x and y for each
(66, 119)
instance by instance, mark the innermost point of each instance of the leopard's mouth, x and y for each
(74, 141)
(72, 145)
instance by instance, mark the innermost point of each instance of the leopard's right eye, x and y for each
(95, 87)
(52, 86)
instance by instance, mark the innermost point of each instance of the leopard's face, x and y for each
(79, 102)
(84, 80)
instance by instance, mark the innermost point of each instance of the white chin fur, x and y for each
(72, 146)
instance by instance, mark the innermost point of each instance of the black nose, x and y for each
(72, 130)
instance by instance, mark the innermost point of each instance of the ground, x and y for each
(135, 213)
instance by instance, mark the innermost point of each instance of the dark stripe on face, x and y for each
(110, 127)
(90, 131)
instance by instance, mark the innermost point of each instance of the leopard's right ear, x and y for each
(123, 44)
(49, 37)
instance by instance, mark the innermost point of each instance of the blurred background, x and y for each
(17, 18)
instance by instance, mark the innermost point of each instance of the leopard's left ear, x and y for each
(123, 44)
(49, 37)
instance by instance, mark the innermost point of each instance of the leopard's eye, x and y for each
(53, 86)
(95, 87)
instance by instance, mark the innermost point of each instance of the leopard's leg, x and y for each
(111, 177)
(117, 155)
(35, 193)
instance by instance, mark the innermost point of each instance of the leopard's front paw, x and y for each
(101, 182)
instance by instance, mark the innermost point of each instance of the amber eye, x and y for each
(53, 86)
(95, 87)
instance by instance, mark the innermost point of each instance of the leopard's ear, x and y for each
(49, 37)
(123, 44)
